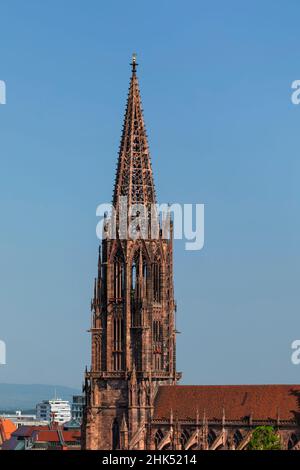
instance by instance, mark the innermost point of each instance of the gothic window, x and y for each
(157, 331)
(156, 278)
(97, 353)
(133, 275)
(157, 338)
(184, 438)
(145, 277)
(137, 351)
(158, 438)
(211, 437)
(118, 343)
(138, 289)
(237, 438)
(135, 278)
(134, 294)
(115, 435)
(139, 276)
(119, 278)
(168, 281)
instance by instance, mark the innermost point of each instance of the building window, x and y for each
(157, 338)
(97, 352)
(237, 438)
(184, 438)
(138, 290)
(158, 438)
(134, 274)
(139, 276)
(156, 281)
(118, 343)
(211, 437)
(119, 278)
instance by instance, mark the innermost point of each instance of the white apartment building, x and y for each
(56, 410)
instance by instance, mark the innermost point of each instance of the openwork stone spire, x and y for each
(134, 177)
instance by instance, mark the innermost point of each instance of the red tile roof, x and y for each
(52, 435)
(58, 438)
(46, 436)
(263, 402)
(71, 435)
(27, 431)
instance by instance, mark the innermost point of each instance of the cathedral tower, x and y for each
(133, 329)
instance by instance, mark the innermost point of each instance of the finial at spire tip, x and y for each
(134, 62)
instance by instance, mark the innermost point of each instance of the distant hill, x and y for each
(25, 397)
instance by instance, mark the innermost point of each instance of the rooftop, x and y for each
(232, 402)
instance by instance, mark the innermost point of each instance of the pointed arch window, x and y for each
(185, 435)
(157, 338)
(145, 277)
(119, 277)
(97, 353)
(157, 331)
(118, 343)
(156, 281)
(237, 437)
(134, 275)
(211, 437)
(158, 438)
(139, 275)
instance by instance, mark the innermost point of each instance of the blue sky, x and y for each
(216, 82)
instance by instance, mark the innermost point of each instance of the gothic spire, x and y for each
(134, 177)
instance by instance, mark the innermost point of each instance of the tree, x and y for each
(264, 438)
